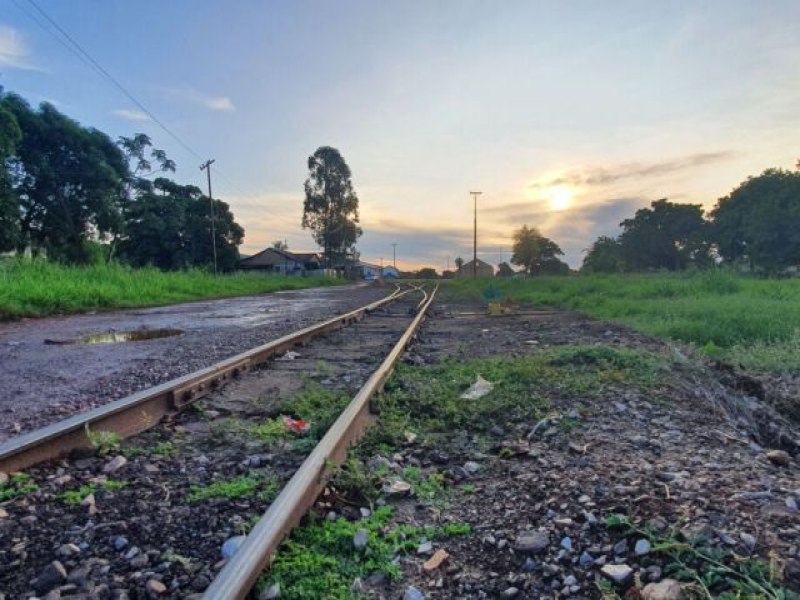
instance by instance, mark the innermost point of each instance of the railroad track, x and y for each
(379, 340)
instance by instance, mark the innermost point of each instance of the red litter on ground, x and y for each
(298, 426)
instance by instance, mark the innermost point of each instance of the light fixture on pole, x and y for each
(206, 166)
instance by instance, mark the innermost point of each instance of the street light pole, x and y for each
(394, 255)
(475, 235)
(206, 166)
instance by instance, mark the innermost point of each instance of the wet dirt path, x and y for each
(43, 381)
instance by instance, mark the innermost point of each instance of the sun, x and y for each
(560, 197)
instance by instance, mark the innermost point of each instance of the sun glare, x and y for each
(560, 197)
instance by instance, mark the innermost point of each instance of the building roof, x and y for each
(271, 256)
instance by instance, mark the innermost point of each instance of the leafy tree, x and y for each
(280, 245)
(10, 136)
(504, 270)
(330, 209)
(536, 253)
(605, 256)
(169, 226)
(759, 221)
(666, 236)
(69, 181)
(459, 262)
(427, 273)
(139, 151)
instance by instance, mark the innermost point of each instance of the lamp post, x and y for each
(475, 235)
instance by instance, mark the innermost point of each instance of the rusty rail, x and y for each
(240, 574)
(142, 410)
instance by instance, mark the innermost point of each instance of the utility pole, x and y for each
(475, 236)
(394, 255)
(206, 166)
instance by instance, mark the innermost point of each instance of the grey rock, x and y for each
(653, 573)
(570, 580)
(53, 575)
(586, 560)
(155, 588)
(748, 540)
(134, 551)
(115, 464)
(510, 592)
(232, 545)
(365, 512)
(140, 561)
(120, 543)
(360, 539)
(472, 467)
(669, 589)
(532, 542)
(621, 547)
(67, 550)
(201, 582)
(28, 520)
(413, 593)
(529, 565)
(271, 593)
(642, 547)
(425, 547)
(566, 544)
(791, 504)
(617, 573)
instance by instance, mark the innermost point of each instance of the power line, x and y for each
(75, 48)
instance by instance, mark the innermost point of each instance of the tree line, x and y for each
(756, 226)
(76, 195)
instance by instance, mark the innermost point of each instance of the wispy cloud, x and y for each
(209, 101)
(596, 176)
(14, 52)
(131, 114)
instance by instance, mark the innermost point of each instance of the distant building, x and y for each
(483, 270)
(390, 272)
(283, 262)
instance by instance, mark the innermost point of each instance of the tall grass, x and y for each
(37, 288)
(752, 321)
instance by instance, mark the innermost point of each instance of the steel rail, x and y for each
(142, 410)
(242, 571)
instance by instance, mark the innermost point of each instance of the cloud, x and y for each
(14, 52)
(131, 114)
(597, 176)
(215, 103)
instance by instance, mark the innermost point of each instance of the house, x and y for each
(390, 272)
(368, 270)
(284, 262)
(483, 269)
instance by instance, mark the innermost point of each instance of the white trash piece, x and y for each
(479, 389)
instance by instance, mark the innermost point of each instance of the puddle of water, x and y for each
(138, 335)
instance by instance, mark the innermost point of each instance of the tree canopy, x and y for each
(604, 256)
(666, 236)
(537, 254)
(759, 221)
(330, 209)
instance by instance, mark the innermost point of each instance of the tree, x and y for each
(69, 181)
(666, 236)
(459, 263)
(759, 221)
(605, 256)
(330, 209)
(504, 270)
(280, 245)
(10, 136)
(169, 227)
(427, 273)
(536, 253)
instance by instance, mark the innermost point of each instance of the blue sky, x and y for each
(567, 115)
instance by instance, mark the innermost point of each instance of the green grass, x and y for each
(35, 288)
(241, 487)
(426, 400)
(754, 322)
(319, 559)
(75, 497)
(17, 485)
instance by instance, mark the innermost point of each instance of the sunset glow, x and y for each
(560, 197)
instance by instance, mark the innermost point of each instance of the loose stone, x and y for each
(231, 546)
(53, 575)
(669, 589)
(617, 573)
(360, 539)
(532, 541)
(642, 547)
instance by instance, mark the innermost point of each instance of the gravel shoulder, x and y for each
(45, 381)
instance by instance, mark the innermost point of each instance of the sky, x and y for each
(568, 116)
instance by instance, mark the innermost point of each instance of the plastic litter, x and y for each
(298, 426)
(479, 389)
(289, 355)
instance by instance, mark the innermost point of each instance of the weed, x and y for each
(174, 557)
(17, 485)
(165, 449)
(715, 572)
(269, 431)
(319, 559)
(241, 487)
(425, 488)
(103, 442)
(469, 488)
(75, 497)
